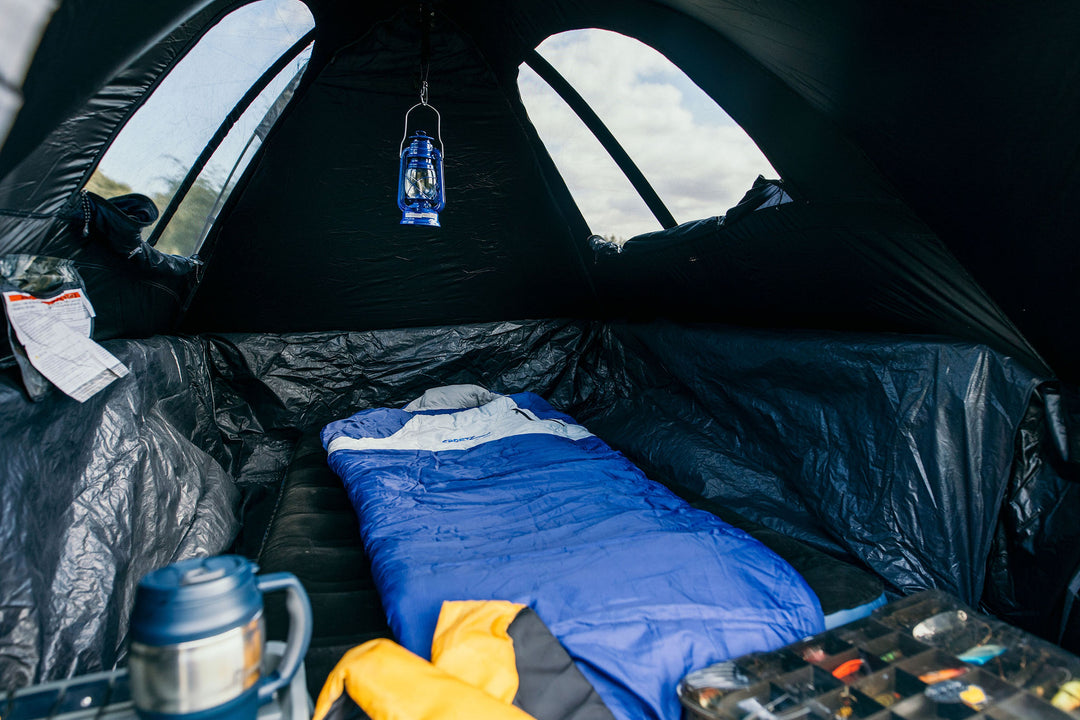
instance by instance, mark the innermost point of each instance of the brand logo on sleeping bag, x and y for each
(466, 439)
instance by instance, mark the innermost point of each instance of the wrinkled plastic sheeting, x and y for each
(896, 450)
(270, 388)
(1038, 540)
(95, 495)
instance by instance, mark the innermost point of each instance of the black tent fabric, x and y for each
(897, 343)
(844, 266)
(849, 101)
(482, 260)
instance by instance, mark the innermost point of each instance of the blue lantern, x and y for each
(421, 194)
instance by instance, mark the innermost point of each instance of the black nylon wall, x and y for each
(808, 150)
(970, 109)
(36, 191)
(967, 110)
(512, 239)
(803, 265)
(317, 233)
(85, 44)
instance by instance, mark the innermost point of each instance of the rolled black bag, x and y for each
(763, 194)
(119, 222)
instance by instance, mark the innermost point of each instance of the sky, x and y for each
(696, 158)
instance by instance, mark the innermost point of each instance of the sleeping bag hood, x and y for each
(876, 354)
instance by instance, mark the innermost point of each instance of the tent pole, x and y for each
(218, 201)
(578, 104)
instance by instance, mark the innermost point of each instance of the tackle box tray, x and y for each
(923, 657)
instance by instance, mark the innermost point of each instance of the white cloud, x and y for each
(698, 160)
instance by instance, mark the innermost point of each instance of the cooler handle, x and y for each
(300, 622)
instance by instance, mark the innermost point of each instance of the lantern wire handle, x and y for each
(438, 127)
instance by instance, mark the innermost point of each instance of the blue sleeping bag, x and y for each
(513, 500)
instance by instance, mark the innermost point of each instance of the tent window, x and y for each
(156, 149)
(658, 115)
(199, 208)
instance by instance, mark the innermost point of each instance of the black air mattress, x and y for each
(314, 534)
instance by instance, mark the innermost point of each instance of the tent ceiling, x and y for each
(967, 111)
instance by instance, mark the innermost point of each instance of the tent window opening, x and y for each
(156, 150)
(655, 112)
(189, 222)
(603, 194)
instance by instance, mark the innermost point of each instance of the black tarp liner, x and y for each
(1038, 534)
(893, 450)
(271, 388)
(95, 495)
(888, 450)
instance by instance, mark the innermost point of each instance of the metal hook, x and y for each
(438, 126)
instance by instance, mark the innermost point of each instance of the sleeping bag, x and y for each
(512, 500)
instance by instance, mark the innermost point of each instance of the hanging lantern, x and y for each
(421, 192)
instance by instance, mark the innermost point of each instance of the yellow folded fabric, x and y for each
(391, 683)
(472, 643)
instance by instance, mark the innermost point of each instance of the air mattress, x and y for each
(513, 500)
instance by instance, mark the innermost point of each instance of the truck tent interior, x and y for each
(871, 359)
